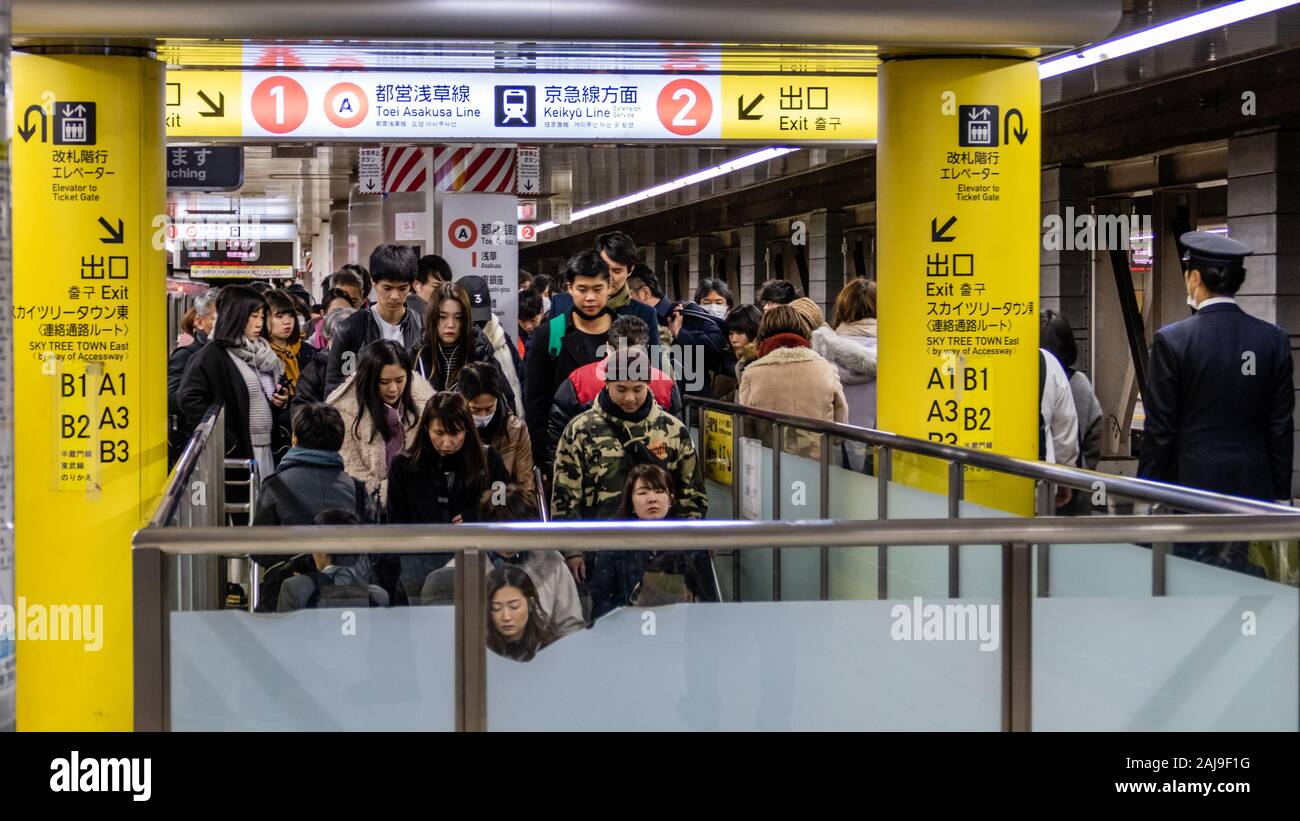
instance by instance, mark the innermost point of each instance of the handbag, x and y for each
(665, 582)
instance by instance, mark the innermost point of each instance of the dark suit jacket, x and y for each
(1219, 405)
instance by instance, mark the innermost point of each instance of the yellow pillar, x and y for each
(958, 203)
(89, 374)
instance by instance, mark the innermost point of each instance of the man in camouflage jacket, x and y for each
(592, 462)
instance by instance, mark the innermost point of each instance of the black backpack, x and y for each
(275, 577)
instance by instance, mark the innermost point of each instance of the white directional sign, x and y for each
(370, 166)
(528, 171)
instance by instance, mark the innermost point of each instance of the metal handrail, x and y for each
(179, 480)
(539, 488)
(1145, 490)
(717, 535)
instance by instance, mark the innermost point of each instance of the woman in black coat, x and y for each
(238, 368)
(441, 478)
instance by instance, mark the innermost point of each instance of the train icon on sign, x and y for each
(516, 106)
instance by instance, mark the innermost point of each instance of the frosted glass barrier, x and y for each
(1197, 662)
(1101, 570)
(329, 669)
(853, 570)
(922, 570)
(750, 666)
(756, 565)
(801, 567)
(979, 566)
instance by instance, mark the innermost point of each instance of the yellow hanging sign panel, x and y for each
(205, 104)
(718, 458)
(89, 372)
(795, 107)
(958, 204)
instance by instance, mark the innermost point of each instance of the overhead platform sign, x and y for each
(395, 106)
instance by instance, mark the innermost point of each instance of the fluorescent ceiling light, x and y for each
(1198, 23)
(672, 185)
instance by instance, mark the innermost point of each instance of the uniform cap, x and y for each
(1213, 250)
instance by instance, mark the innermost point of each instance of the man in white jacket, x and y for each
(1060, 420)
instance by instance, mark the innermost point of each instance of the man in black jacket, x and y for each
(392, 270)
(205, 316)
(617, 250)
(310, 478)
(1220, 394)
(566, 342)
(695, 336)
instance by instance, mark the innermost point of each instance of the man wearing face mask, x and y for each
(693, 329)
(1220, 394)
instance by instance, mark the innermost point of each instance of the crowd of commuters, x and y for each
(400, 397)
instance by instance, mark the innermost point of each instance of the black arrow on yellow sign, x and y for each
(1021, 131)
(114, 236)
(218, 108)
(938, 234)
(745, 111)
(27, 129)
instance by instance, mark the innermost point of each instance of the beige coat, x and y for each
(364, 458)
(516, 450)
(798, 382)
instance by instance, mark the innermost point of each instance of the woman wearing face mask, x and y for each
(240, 369)
(714, 296)
(502, 430)
(451, 340)
(380, 404)
(517, 626)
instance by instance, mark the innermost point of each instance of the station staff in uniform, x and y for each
(1221, 394)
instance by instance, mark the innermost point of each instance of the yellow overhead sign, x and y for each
(795, 107)
(202, 104)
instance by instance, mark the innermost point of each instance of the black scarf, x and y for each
(637, 416)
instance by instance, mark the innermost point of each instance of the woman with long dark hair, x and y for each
(239, 369)
(498, 426)
(439, 479)
(451, 340)
(381, 405)
(441, 475)
(517, 626)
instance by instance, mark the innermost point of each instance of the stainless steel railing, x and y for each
(152, 548)
(1174, 497)
(1214, 518)
(1047, 476)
